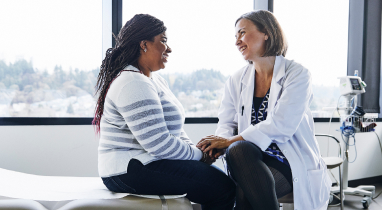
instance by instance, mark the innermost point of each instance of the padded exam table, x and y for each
(19, 191)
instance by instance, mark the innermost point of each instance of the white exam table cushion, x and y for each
(53, 188)
(81, 193)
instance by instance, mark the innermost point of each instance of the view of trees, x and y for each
(200, 92)
(29, 92)
(26, 91)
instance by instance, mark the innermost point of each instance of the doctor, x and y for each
(265, 123)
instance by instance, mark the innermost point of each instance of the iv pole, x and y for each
(365, 190)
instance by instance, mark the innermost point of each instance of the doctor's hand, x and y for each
(211, 142)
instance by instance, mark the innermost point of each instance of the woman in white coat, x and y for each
(265, 125)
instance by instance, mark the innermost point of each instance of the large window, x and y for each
(317, 34)
(202, 37)
(51, 51)
(49, 57)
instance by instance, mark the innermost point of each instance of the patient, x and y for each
(143, 148)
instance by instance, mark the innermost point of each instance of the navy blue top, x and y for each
(259, 114)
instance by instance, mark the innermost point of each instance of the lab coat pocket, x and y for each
(319, 191)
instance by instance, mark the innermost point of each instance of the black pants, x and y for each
(260, 179)
(203, 183)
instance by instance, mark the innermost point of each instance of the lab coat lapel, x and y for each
(246, 97)
(278, 75)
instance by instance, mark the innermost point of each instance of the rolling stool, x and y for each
(333, 162)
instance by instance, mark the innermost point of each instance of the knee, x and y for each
(243, 149)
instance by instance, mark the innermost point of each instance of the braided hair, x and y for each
(126, 52)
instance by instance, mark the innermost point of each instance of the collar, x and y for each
(132, 68)
(278, 71)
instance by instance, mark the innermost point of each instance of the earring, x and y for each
(145, 50)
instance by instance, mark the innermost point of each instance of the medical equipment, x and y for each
(353, 120)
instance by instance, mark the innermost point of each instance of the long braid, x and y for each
(126, 52)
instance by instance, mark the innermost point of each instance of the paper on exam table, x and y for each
(53, 188)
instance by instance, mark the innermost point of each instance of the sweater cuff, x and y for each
(198, 154)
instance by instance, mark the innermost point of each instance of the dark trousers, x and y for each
(260, 179)
(203, 183)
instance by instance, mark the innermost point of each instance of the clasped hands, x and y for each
(214, 146)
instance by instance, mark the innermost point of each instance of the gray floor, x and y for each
(351, 202)
(354, 202)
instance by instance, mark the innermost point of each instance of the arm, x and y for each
(283, 121)
(140, 106)
(185, 138)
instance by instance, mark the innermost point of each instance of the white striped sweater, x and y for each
(142, 119)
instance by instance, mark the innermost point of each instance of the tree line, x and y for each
(21, 75)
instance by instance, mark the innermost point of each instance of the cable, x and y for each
(347, 143)
(349, 131)
(377, 195)
(330, 120)
(334, 195)
(337, 105)
(379, 141)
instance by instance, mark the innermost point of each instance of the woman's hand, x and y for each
(213, 142)
(210, 160)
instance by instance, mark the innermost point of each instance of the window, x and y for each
(202, 38)
(317, 34)
(49, 57)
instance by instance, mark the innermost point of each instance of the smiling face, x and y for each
(156, 54)
(249, 40)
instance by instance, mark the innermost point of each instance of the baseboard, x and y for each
(365, 181)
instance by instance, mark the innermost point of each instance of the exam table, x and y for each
(21, 191)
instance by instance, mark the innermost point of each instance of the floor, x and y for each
(351, 202)
(354, 202)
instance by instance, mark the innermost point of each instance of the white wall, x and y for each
(72, 150)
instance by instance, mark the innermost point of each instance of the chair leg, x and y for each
(287, 206)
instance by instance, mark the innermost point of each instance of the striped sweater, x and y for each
(142, 119)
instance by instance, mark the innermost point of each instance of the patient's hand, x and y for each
(216, 153)
(210, 160)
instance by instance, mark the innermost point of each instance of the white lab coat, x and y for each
(289, 124)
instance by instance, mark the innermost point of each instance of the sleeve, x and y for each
(227, 112)
(139, 104)
(283, 121)
(185, 138)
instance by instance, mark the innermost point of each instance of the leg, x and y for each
(283, 182)
(282, 176)
(202, 183)
(241, 201)
(245, 163)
